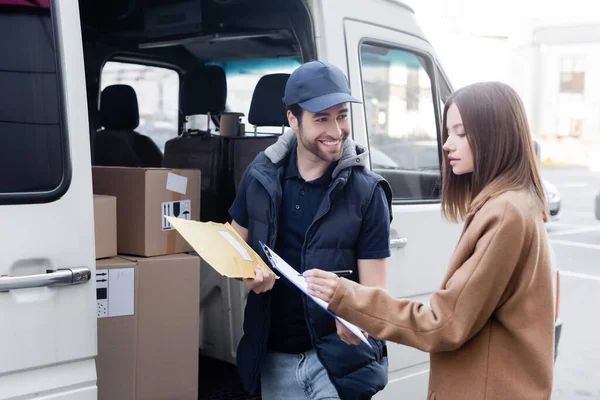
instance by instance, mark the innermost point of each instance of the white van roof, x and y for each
(402, 4)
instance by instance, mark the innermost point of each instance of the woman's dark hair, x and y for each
(504, 159)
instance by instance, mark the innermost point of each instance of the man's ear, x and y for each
(292, 120)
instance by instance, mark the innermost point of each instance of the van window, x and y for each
(157, 92)
(445, 90)
(242, 77)
(401, 121)
(34, 162)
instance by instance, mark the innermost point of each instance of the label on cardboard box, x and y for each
(177, 183)
(115, 292)
(178, 209)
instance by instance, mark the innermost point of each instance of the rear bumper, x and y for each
(557, 331)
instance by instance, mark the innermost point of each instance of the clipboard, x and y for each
(298, 280)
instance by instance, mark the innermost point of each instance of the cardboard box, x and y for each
(149, 348)
(105, 225)
(117, 336)
(144, 196)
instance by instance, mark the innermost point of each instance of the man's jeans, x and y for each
(295, 377)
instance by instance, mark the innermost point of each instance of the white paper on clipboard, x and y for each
(298, 280)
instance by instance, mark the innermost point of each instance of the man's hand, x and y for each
(262, 282)
(347, 336)
(321, 284)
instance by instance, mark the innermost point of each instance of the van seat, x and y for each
(204, 91)
(118, 144)
(267, 108)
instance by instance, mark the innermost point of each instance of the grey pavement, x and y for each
(575, 239)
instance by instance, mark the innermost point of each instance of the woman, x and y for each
(490, 326)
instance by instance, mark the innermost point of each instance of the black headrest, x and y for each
(267, 108)
(119, 108)
(204, 91)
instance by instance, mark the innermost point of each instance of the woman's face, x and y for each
(457, 146)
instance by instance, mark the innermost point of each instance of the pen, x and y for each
(344, 272)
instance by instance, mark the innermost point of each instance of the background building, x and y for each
(549, 51)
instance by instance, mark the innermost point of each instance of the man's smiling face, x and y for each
(323, 133)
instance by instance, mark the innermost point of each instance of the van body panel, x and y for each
(329, 16)
(74, 380)
(48, 335)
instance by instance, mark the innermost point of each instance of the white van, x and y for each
(57, 55)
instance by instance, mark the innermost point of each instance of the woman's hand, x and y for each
(321, 284)
(347, 336)
(262, 282)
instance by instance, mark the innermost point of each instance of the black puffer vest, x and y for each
(358, 372)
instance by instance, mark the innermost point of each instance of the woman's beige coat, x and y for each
(490, 326)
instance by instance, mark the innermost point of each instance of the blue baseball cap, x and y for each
(316, 85)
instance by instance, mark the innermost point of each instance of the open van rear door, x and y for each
(47, 266)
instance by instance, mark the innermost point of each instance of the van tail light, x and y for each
(557, 296)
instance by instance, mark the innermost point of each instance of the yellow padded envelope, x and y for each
(220, 246)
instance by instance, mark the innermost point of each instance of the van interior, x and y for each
(187, 36)
(210, 52)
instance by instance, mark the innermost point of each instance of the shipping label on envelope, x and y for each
(220, 246)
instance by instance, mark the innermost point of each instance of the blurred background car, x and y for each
(553, 199)
(598, 205)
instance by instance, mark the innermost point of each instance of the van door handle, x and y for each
(52, 278)
(398, 243)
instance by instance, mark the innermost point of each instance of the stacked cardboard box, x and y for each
(149, 295)
(144, 197)
(148, 327)
(105, 225)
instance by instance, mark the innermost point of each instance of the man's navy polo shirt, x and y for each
(299, 206)
(300, 203)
